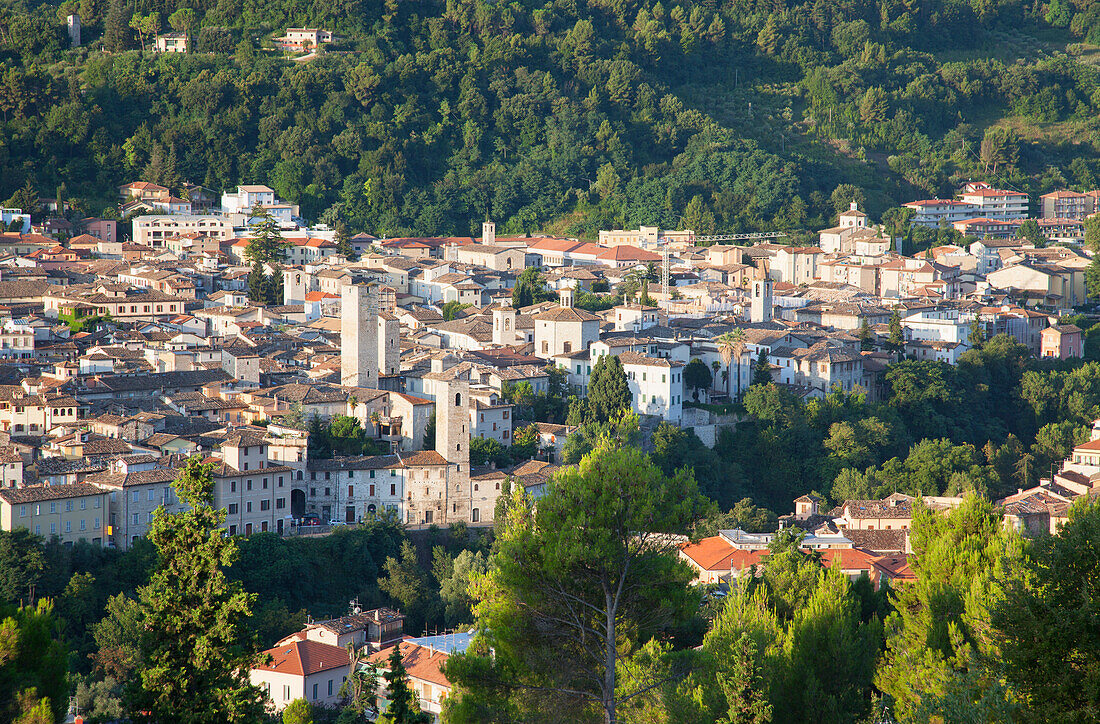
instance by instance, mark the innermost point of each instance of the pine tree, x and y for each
(343, 243)
(762, 370)
(521, 294)
(257, 284)
(266, 243)
(25, 199)
(896, 341)
(194, 644)
(116, 27)
(976, 337)
(273, 288)
(403, 708)
(608, 390)
(866, 337)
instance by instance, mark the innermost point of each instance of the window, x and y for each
(83, 503)
(280, 481)
(232, 486)
(95, 524)
(135, 519)
(68, 526)
(22, 511)
(371, 491)
(83, 524)
(248, 483)
(330, 687)
(328, 492)
(53, 528)
(233, 508)
(351, 490)
(38, 530)
(372, 473)
(265, 505)
(286, 692)
(315, 691)
(280, 503)
(149, 494)
(68, 506)
(475, 515)
(393, 489)
(53, 507)
(248, 507)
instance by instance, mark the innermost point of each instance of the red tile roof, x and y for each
(420, 662)
(302, 658)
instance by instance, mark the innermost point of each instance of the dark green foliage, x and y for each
(194, 644)
(762, 370)
(344, 435)
(1050, 632)
(608, 391)
(451, 310)
(257, 284)
(33, 678)
(697, 376)
(403, 707)
(21, 565)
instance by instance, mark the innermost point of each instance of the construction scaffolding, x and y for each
(666, 267)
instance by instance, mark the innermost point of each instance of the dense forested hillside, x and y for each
(427, 116)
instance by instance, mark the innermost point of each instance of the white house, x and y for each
(657, 385)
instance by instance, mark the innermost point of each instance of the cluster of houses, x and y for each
(120, 357)
(124, 354)
(986, 212)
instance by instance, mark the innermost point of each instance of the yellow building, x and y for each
(72, 512)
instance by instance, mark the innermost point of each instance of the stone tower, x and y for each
(359, 338)
(504, 325)
(452, 441)
(761, 309)
(488, 233)
(388, 359)
(74, 30)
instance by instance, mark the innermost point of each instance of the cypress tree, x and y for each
(608, 392)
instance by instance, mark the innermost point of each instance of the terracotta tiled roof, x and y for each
(419, 661)
(302, 658)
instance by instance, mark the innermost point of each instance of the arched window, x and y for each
(475, 487)
(458, 399)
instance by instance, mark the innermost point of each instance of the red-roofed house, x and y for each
(426, 680)
(715, 560)
(620, 257)
(303, 669)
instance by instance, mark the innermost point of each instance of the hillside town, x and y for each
(130, 348)
(348, 378)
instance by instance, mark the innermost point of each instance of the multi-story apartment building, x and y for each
(72, 512)
(931, 212)
(155, 230)
(997, 204)
(1068, 205)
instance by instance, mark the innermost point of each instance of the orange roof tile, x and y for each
(302, 658)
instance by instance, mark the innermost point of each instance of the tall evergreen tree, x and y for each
(403, 708)
(608, 390)
(343, 242)
(1050, 628)
(116, 27)
(896, 340)
(762, 369)
(866, 336)
(266, 243)
(194, 645)
(941, 660)
(257, 284)
(976, 336)
(575, 585)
